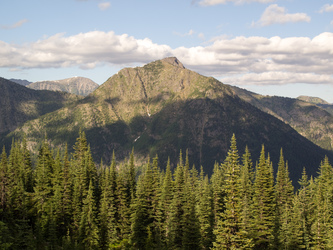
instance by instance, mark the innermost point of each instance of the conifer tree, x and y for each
(247, 179)
(175, 221)
(67, 193)
(205, 211)
(302, 211)
(44, 189)
(165, 205)
(283, 197)
(229, 232)
(217, 181)
(263, 204)
(321, 227)
(3, 183)
(124, 207)
(145, 230)
(88, 229)
(190, 223)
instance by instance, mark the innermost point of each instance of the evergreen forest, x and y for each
(67, 201)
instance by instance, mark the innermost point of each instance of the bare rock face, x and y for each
(174, 62)
(75, 85)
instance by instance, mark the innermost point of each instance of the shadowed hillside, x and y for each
(163, 108)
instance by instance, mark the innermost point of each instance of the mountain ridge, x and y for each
(312, 120)
(19, 104)
(162, 108)
(74, 85)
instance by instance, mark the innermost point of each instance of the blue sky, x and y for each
(274, 47)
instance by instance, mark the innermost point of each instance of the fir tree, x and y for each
(321, 227)
(88, 229)
(263, 204)
(229, 232)
(165, 205)
(205, 212)
(283, 197)
(247, 178)
(44, 190)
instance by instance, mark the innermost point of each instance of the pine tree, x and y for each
(175, 221)
(302, 211)
(247, 192)
(217, 180)
(4, 183)
(165, 204)
(145, 230)
(205, 211)
(67, 193)
(283, 197)
(44, 190)
(321, 227)
(190, 223)
(88, 229)
(229, 232)
(263, 204)
(124, 208)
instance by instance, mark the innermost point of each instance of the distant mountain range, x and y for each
(19, 104)
(162, 108)
(74, 85)
(20, 81)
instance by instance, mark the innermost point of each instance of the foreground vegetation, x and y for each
(66, 202)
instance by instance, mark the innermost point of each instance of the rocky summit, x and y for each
(163, 108)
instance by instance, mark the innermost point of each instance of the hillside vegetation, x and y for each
(162, 108)
(66, 202)
(309, 116)
(19, 104)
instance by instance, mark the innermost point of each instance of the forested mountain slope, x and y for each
(306, 115)
(163, 108)
(19, 104)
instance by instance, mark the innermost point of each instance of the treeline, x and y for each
(66, 202)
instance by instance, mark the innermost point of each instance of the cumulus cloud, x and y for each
(84, 50)
(15, 25)
(326, 8)
(238, 60)
(104, 5)
(278, 78)
(217, 2)
(276, 14)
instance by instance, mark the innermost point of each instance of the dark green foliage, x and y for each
(66, 202)
(230, 233)
(263, 204)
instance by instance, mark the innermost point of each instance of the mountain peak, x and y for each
(311, 99)
(75, 85)
(173, 61)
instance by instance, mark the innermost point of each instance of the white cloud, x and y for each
(84, 50)
(104, 5)
(15, 25)
(189, 33)
(326, 8)
(278, 78)
(217, 2)
(276, 14)
(241, 60)
(201, 36)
